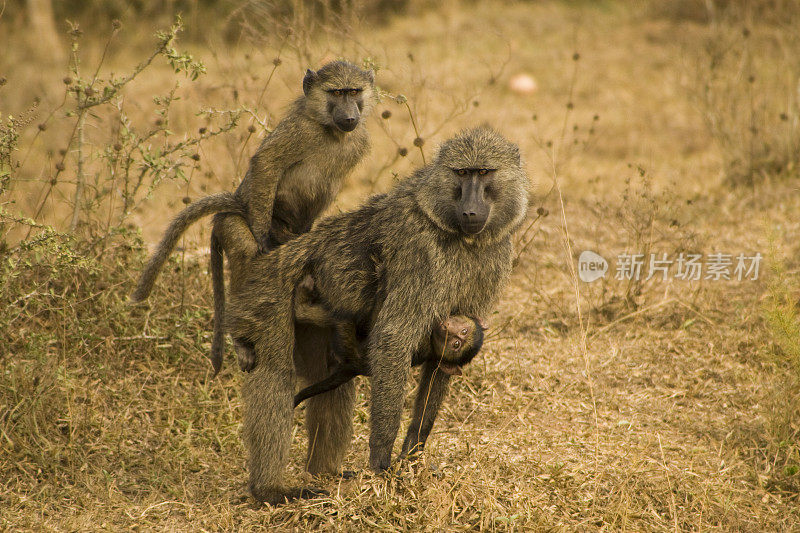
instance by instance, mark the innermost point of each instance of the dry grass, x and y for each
(656, 407)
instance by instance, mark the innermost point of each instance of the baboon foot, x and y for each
(245, 354)
(278, 497)
(411, 452)
(344, 474)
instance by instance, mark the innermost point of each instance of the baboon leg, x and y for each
(268, 393)
(231, 235)
(386, 410)
(239, 244)
(329, 416)
(432, 389)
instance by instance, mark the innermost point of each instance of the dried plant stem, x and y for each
(416, 130)
(80, 178)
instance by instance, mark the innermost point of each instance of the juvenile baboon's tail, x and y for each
(215, 203)
(218, 284)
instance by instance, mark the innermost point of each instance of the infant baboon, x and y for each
(454, 343)
(443, 240)
(293, 176)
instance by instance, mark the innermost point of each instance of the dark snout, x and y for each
(346, 116)
(473, 208)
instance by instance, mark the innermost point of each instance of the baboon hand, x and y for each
(245, 355)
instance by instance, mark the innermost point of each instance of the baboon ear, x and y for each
(371, 76)
(308, 81)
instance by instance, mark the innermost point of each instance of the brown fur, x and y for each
(454, 342)
(293, 177)
(443, 241)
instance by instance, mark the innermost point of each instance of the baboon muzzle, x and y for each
(346, 116)
(473, 209)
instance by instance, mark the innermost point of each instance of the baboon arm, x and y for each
(398, 332)
(267, 168)
(433, 384)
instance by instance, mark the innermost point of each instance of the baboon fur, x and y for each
(454, 343)
(293, 177)
(438, 244)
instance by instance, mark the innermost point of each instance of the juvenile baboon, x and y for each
(293, 176)
(443, 240)
(454, 343)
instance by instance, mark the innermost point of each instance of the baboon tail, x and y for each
(218, 284)
(214, 203)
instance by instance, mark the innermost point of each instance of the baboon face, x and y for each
(341, 94)
(472, 194)
(455, 342)
(476, 185)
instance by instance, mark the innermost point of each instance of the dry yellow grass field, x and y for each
(610, 406)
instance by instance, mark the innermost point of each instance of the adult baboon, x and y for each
(443, 240)
(293, 176)
(454, 343)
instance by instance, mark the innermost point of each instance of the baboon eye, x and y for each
(354, 92)
(464, 331)
(483, 171)
(456, 344)
(461, 172)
